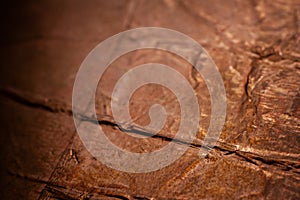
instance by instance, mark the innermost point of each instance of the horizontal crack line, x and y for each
(56, 106)
(36, 101)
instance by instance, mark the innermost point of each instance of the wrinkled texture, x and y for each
(256, 46)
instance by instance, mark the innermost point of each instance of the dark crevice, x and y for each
(58, 107)
(70, 194)
(27, 178)
(57, 194)
(246, 158)
(283, 165)
(292, 166)
(35, 101)
(117, 196)
(138, 197)
(135, 130)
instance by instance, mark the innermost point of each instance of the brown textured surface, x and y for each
(255, 44)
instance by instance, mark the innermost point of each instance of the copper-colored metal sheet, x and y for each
(255, 45)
